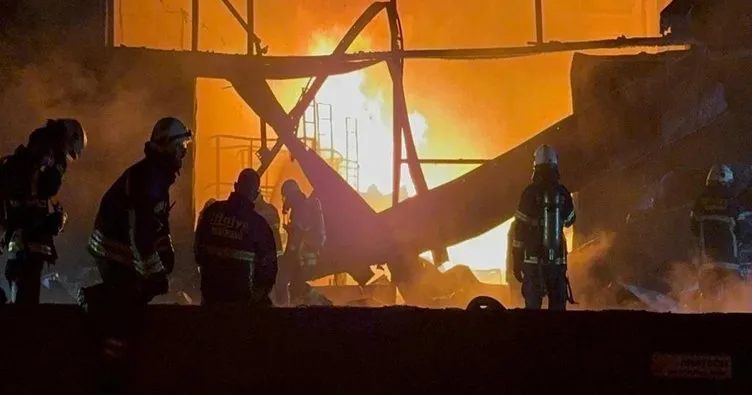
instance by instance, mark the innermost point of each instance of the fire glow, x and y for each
(347, 96)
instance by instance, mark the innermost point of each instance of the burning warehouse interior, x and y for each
(413, 128)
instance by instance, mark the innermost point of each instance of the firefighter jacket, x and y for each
(132, 226)
(306, 230)
(545, 208)
(722, 222)
(235, 251)
(271, 215)
(29, 217)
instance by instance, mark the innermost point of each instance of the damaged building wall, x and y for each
(638, 104)
(643, 204)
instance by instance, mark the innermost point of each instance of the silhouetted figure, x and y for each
(306, 236)
(723, 229)
(31, 178)
(540, 248)
(131, 243)
(235, 248)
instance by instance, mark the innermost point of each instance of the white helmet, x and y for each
(74, 137)
(545, 155)
(171, 137)
(720, 174)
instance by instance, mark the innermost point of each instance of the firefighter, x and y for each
(31, 178)
(235, 248)
(540, 249)
(131, 240)
(721, 225)
(306, 235)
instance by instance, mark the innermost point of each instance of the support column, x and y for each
(394, 66)
(402, 128)
(539, 21)
(194, 25)
(109, 23)
(251, 28)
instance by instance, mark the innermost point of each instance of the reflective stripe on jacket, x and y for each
(110, 249)
(132, 225)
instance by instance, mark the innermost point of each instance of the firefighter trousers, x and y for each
(541, 281)
(290, 279)
(116, 308)
(291, 285)
(24, 275)
(124, 285)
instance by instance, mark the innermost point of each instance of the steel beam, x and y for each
(109, 22)
(307, 97)
(247, 25)
(395, 72)
(402, 128)
(539, 22)
(250, 29)
(194, 25)
(491, 53)
(458, 161)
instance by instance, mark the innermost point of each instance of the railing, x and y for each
(246, 158)
(347, 168)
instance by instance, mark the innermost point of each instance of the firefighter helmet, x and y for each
(171, 137)
(74, 137)
(248, 183)
(545, 155)
(289, 188)
(209, 203)
(720, 174)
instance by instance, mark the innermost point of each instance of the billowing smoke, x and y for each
(707, 289)
(61, 82)
(589, 275)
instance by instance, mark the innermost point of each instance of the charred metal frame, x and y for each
(459, 161)
(395, 61)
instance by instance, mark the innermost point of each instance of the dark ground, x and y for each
(191, 350)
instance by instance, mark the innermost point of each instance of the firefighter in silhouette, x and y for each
(306, 234)
(540, 248)
(721, 223)
(31, 178)
(235, 248)
(131, 240)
